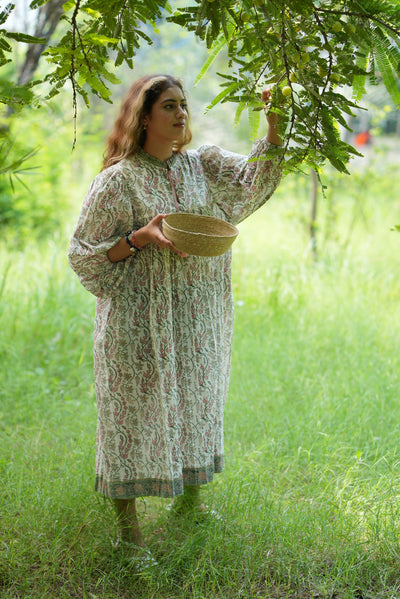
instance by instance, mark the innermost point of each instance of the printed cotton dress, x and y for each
(163, 325)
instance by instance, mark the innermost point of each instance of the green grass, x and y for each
(310, 495)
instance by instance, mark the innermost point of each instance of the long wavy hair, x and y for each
(129, 134)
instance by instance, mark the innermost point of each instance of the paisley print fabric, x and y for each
(163, 325)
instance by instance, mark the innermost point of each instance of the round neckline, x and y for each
(156, 161)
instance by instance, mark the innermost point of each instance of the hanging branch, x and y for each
(72, 71)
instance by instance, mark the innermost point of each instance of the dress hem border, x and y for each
(152, 487)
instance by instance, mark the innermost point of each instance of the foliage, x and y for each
(93, 30)
(13, 164)
(313, 53)
(38, 179)
(309, 51)
(11, 94)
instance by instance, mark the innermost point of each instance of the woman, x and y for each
(163, 326)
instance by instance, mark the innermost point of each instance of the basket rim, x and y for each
(234, 233)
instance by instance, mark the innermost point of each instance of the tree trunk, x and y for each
(48, 17)
(313, 220)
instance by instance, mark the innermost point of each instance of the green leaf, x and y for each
(359, 80)
(388, 78)
(144, 36)
(223, 94)
(102, 40)
(97, 85)
(385, 53)
(89, 11)
(5, 45)
(24, 37)
(15, 94)
(111, 77)
(338, 164)
(238, 113)
(254, 123)
(225, 26)
(37, 3)
(69, 5)
(215, 50)
(85, 97)
(4, 14)
(119, 59)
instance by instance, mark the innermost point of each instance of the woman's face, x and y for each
(167, 119)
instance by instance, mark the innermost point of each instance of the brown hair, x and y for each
(128, 134)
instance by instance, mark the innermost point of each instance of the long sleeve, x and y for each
(238, 184)
(105, 217)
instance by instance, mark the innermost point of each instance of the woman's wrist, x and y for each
(131, 240)
(134, 241)
(139, 238)
(274, 138)
(273, 129)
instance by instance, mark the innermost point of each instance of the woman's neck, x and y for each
(160, 151)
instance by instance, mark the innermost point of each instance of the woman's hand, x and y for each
(152, 233)
(272, 120)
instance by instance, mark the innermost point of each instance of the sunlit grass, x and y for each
(310, 496)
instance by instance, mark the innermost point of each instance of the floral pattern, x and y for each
(163, 325)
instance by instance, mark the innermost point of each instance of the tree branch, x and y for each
(350, 13)
(73, 69)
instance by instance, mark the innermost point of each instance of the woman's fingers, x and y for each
(159, 238)
(266, 95)
(157, 219)
(181, 254)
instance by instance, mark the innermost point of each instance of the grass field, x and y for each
(310, 497)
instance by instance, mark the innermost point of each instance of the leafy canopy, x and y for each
(316, 55)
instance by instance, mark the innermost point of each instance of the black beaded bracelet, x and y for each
(132, 246)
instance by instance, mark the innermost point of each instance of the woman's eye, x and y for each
(173, 106)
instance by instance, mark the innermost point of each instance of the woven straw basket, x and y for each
(199, 235)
